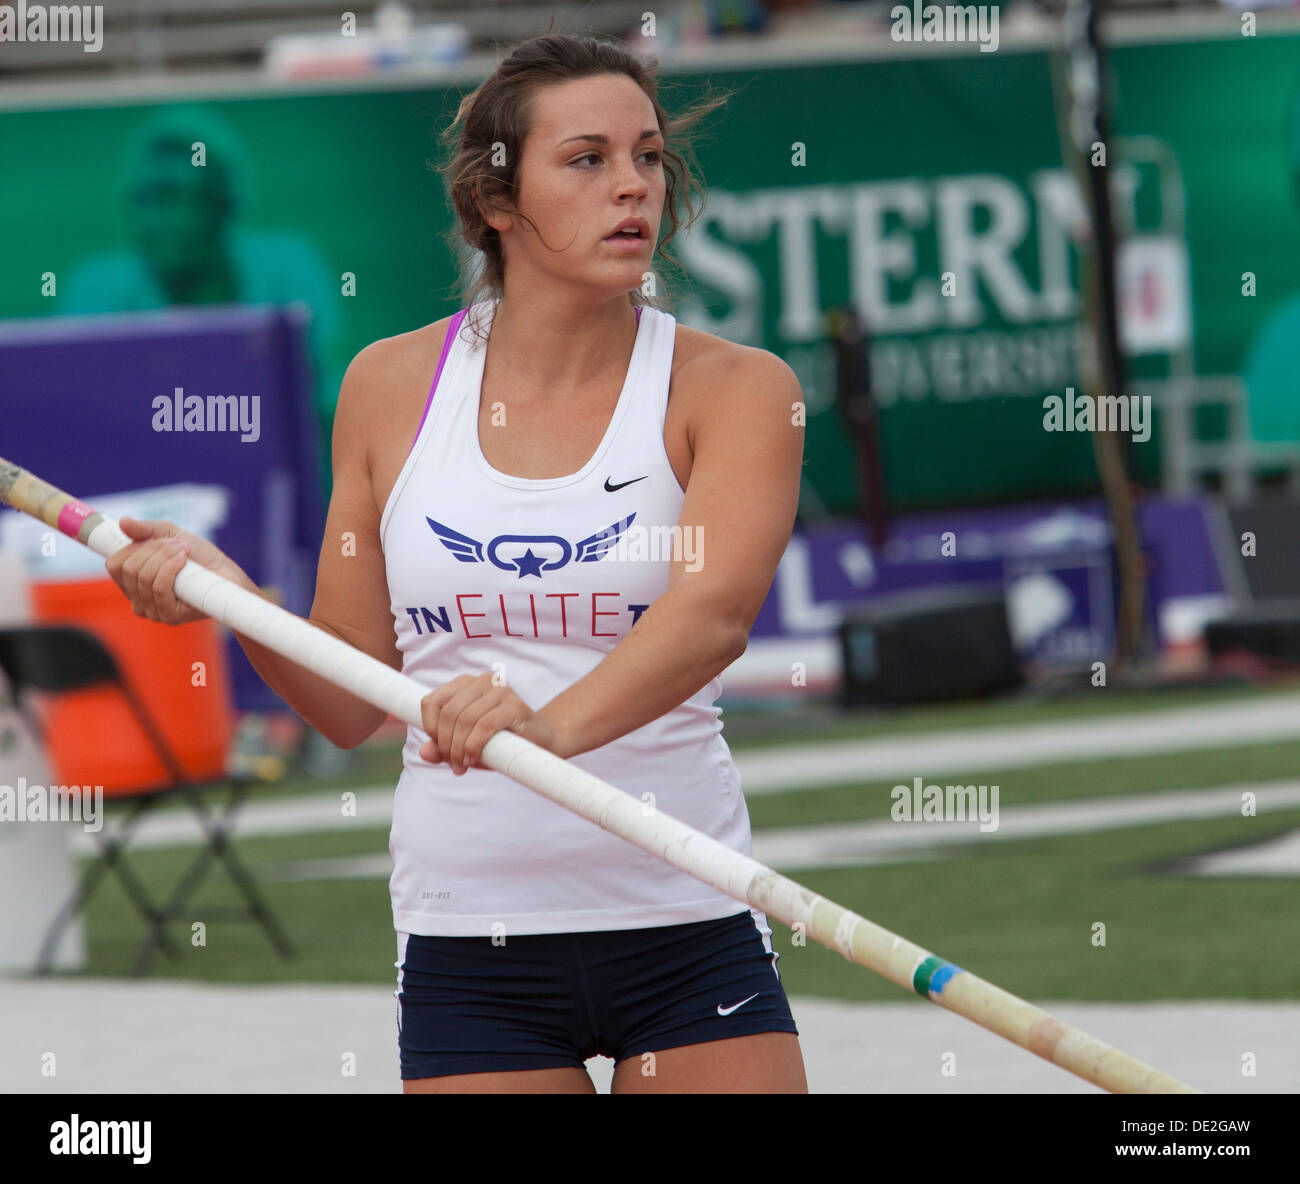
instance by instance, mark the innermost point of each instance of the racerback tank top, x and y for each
(539, 579)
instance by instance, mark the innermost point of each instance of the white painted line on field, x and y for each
(856, 844)
(1278, 856)
(882, 841)
(817, 763)
(298, 815)
(969, 750)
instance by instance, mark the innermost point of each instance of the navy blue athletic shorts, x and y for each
(550, 1000)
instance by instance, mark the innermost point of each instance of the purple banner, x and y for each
(1055, 562)
(88, 404)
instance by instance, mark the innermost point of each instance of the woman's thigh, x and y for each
(572, 1080)
(764, 1063)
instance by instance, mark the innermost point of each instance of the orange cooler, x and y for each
(93, 736)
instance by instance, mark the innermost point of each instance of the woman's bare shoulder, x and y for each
(383, 396)
(701, 360)
(397, 362)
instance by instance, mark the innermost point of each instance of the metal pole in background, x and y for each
(1079, 80)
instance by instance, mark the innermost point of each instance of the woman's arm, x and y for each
(738, 511)
(746, 435)
(351, 600)
(351, 586)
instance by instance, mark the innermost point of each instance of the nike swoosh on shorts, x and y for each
(728, 1010)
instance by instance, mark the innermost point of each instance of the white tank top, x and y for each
(527, 576)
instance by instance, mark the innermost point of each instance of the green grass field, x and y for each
(1017, 912)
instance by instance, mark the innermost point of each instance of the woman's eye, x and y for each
(651, 153)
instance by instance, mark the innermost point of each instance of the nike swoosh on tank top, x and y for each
(540, 579)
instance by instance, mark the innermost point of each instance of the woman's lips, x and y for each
(627, 242)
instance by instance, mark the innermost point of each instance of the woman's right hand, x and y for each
(147, 569)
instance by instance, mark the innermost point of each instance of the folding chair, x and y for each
(59, 658)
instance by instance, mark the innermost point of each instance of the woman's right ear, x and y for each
(489, 211)
(497, 219)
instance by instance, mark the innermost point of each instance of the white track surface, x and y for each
(165, 1037)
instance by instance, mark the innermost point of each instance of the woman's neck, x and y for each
(546, 345)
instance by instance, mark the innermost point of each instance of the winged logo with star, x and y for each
(555, 551)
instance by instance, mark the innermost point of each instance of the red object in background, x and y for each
(93, 737)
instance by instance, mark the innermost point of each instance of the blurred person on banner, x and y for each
(183, 192)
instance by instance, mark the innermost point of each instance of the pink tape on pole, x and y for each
(72, 516)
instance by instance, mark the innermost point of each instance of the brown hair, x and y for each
(499, 112)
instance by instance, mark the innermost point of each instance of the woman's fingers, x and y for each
(148, 563)
(125, 565)
(141, 528)
(501, 714)
(146, 571)
(449, 716)
(171, 610)
(486, 706)
(153, 556)
(451, 713)
(430, 708)
(130, 575)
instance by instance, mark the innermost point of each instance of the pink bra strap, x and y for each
(452, 330)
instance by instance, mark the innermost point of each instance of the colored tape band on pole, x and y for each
(72, 516)
(940, 978)
(931, 975)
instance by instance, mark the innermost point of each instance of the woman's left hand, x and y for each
(463, 714)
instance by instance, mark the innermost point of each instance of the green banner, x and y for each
(928, 190)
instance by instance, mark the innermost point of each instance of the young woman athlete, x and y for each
(509, 478)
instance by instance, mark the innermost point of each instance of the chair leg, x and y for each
(156, 936)
(80, 895)
(110, 858)
(218, 848)
(257, 905)
(172, 908)
(217, 832)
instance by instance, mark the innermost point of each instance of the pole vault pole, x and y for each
(697, 854)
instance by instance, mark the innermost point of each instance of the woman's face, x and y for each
(592, 160)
